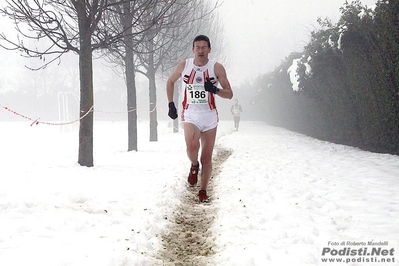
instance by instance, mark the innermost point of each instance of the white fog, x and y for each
(277, 197)
(257, 36)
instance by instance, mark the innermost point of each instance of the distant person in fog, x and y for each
(236, 112)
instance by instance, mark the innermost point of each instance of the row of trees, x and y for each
(348, 81)
(136, 35)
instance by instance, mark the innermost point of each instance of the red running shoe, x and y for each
(193, 175)
(202, 196)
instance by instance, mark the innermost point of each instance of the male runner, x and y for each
(236, 112)
(200, 78)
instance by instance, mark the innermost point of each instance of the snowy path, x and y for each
(277, 199)
(190, 242)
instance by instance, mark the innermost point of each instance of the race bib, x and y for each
(196, 94)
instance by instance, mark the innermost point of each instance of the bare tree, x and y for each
(168, 41)
(80, 26)
(136, 19)
(156, 43)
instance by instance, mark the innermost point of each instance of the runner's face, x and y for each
(201, 49)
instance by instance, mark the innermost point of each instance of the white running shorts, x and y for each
(204, 121)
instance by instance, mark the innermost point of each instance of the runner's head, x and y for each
(202, 38)
(201, 49)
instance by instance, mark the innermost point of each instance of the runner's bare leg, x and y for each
(207, 142)
(192, 136)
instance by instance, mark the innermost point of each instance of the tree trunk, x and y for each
(130, 75)
(86, 93)
(152, 96)
(153, 108)
(131, 101)
(176, 101)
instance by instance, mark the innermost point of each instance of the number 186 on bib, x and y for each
(196, 94)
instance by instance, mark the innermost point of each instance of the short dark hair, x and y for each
(202, 38)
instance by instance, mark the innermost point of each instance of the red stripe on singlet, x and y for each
(211, 97)
(190, 80)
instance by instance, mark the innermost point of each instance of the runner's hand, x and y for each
(172, 110)
(210, 87)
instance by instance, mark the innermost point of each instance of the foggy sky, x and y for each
(259, 34)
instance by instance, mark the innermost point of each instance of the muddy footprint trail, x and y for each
(189, 241)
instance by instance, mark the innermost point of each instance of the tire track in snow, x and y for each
(189, 241)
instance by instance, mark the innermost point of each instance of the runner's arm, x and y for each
(226, 91)
(170, 83)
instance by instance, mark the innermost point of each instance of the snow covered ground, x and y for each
(278, 198)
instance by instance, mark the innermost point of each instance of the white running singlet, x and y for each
(195, 98)
(199, 107)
